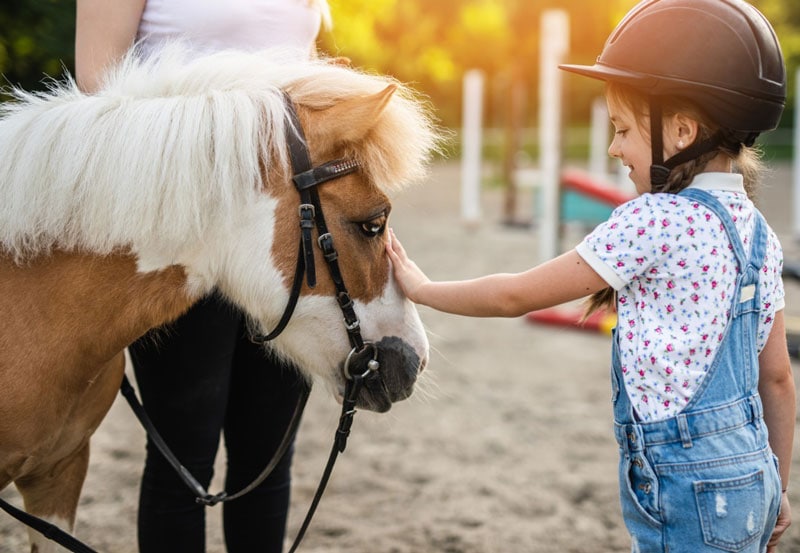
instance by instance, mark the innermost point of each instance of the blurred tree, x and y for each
(36, 41)
(429, 44)
(785, 17)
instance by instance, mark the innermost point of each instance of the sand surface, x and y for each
(505, 447)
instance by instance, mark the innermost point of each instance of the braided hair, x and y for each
(746, 159)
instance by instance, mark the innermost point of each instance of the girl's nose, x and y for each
(614, 149)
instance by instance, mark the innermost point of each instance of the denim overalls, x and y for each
(706, 479)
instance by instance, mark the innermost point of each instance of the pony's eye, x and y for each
(374, 228)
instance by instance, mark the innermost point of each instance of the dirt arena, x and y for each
(505, 447)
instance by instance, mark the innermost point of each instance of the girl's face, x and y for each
(631, 144)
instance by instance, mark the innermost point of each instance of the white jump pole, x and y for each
(472, 121)
(554, 47)
(796, 186)
(598, 140)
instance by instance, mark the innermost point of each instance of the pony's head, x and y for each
(185, 162)
(376, 124)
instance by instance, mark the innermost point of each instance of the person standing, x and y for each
(201, 377)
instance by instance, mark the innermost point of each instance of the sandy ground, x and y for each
(506, 445)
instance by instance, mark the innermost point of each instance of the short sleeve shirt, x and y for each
(673, 267)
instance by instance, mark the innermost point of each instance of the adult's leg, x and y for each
(183, 373)
(264, 393)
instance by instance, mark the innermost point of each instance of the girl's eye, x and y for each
(621, 132)
(374, 228)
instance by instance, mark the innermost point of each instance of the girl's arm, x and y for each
(104, 31)
(776, 387)
(557, 281)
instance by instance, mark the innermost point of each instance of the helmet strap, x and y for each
(659, 173)
(661, 169)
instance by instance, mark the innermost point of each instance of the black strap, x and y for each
(204, 496)
(48, 530)
(352, 389)
(301, 163)
(294, 294)
(660, 169)
(658, 173)
(323, 173)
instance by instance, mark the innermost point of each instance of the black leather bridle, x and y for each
(306, 179)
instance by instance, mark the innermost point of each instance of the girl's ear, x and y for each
(681, 132)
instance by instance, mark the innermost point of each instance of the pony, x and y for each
(119, 210)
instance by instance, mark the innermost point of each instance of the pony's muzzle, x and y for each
(399, 364)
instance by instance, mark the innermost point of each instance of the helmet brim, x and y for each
(603, 72)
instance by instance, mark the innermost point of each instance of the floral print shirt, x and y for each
(674, 270)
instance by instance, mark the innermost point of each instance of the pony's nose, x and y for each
(402, 361)
(394, 380)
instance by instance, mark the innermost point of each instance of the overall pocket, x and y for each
(732, 511)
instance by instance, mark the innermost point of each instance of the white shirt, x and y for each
(212, 25)
(674, 271)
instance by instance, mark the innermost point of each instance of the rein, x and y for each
(306, 178)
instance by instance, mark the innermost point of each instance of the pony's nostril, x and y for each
(422, 365)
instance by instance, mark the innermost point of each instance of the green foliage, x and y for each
(36, 41)
(431, 44)
(785, 17)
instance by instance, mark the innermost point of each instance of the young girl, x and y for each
(704, 398)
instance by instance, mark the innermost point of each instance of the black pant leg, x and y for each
(264, 393)
(183, 373)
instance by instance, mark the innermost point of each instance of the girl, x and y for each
(704, 398)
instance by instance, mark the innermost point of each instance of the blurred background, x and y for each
(484, 407)
(430, 44)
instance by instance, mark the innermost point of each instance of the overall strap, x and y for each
(749, 266)
(736, 362)
(708, 200)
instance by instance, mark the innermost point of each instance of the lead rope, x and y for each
(202, 496)
(352, 389)
(48, 530)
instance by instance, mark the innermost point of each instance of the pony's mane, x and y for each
(172, 145)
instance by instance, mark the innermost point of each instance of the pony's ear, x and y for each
(349, 121)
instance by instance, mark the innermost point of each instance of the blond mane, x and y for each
(173, 146)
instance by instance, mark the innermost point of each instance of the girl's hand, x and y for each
(408, 275)
(784, 520)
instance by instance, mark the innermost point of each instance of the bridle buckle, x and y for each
(304, 209)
